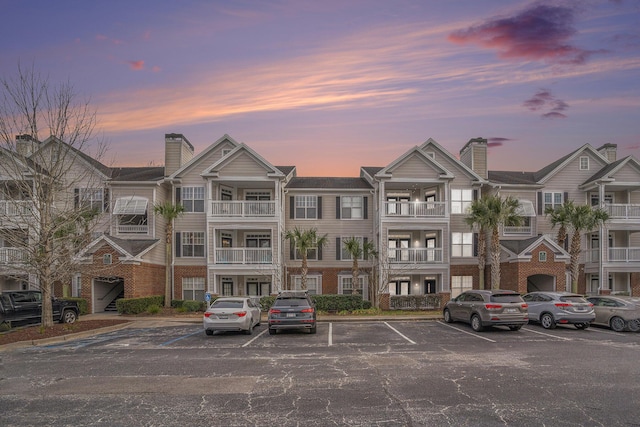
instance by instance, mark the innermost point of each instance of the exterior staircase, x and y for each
(111, 307)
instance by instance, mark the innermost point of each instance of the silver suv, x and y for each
(552, 308)
(481, 308)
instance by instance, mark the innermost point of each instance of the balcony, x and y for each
(408, 209)
(243, 209)
(12, 256)
(15, 208)
(517, 231)
(624, 254)
(622, 211)
(417, 256)
(244, 256)
(132, 229)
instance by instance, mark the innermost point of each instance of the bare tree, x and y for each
(52, 190)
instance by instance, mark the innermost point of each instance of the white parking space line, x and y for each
(547, 335)
(254, 338)
(330, 334)
(399, 333)
(466, 332)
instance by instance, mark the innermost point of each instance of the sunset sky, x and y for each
(332, 85)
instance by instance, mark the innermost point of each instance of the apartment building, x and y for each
(238, 208)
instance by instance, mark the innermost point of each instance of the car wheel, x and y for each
(250, 330)
(312, 330)
(272, 331)
(208, 332)
(68, 316)
(547, 321)
(515, 327)
(617, 324)
(581, 325)
(447, 316)
(476, 323)
(634, 325)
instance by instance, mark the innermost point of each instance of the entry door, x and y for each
(430, 286)
(397, 208)
(430, 244)
(399, 249)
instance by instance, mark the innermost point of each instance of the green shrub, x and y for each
(328, 303)
(153, 309)
(83, 304)
(138, 305)
(193, 306)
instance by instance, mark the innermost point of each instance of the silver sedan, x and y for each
(620, 313)
(232, 314)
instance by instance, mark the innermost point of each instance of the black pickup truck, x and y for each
(17, 307)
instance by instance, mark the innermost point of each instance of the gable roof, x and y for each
(432, 142)
(548, 171)
(90, 161)
(214, 169)
(522, 248)
(415, 151)
(607, 172)
(132, 250)
(206, 151)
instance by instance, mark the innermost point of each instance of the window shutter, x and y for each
(539, 202)
(319, 216)
(178, 246)
(475, 194)
(76, 198)
(105, 200)
(292, 250)
(565, 197)
(365, 207)
(292, 208)
(365, 240)
(337, 207)
(338, 249)
(319, 254)
(178, 196)
(475, 244)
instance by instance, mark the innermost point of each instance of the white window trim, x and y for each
(317, 277)
(584, 166)
(351, 217)
(131, 206)
(462, 201)
(462, 245)
(306, 206)
(542, 256)
(182, 244)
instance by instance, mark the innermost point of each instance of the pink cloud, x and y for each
(546, 101)
(136, 65)
(156, 69)
(541, 32)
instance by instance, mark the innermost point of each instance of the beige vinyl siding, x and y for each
(243, 165)
(571, 177)
(330, 226)
(416, 168)
(627, 173)
(453, 167)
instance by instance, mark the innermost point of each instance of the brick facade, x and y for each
(513, 275)
(180, 272)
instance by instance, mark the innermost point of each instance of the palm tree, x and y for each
(357, 250)
(560, 215)
(583, 219)
(500, 212)
(303, 241)
(478, 218)
(169, 212)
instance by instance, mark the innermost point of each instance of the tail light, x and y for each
(493, 306)
(307, 310)
(274, 311)
(240, 313)
(562, 304)
(524, 305)
(207, 314)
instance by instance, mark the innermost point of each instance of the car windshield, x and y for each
(290, 301)
(227, 304)
(573, 298)
(503, 298)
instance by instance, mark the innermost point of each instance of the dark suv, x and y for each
(292, 310)
(482, 308)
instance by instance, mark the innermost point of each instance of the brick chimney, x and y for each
(177, 152)
(474, 156)
(26, 145)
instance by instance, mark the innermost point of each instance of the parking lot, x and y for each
(379, 373)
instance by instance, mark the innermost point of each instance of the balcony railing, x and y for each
(624, 254)
(244, 256)
(133, 229)
(414, 209)
(241, 208)
(623, 211)
(415, 256)
(509, 231)
(13, 208)
(12, 256)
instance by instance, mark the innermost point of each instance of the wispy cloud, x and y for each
(136, 65)
(545, 101)
(540, 32)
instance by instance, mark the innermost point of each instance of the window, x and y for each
(76, 290)
(346, 285)
(460, 284)
(256, 287)
(344, 253)
(462, 244)
(193, 288)
(193, 199)
(553, 200)
(398, 248)
(106, 259)
(584, 163)
(91, 198)
(461, 199)
(314, 284)
(542, 256)
(227, 286)
(400, 287)
(312, 254)
(351, 207)
(306, 207)
(192, 244)
(257, 195)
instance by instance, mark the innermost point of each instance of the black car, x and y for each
(292, 310)
(21, 307)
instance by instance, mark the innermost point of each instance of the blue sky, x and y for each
(334, 85)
